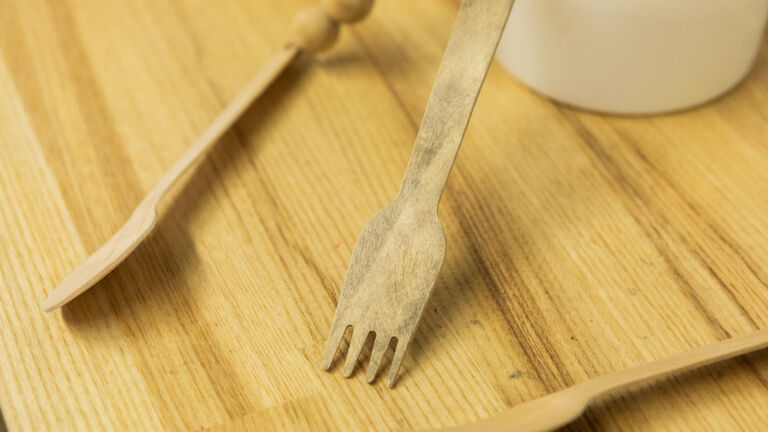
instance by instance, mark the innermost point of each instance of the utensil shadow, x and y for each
(467, 278)
(150, 279)
(673, 393)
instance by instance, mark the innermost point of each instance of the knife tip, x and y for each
(49, 305)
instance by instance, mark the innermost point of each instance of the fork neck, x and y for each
(462, 71)
(428, 168)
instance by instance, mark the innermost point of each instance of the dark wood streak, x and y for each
(750, 365)
(278, 237)
(551, 382)
(633, 146)
(297, 249)
(710, 225)
(650, 230)
(534, 345)
(3, 427)
(124, 188)
(372, 59)
(223, 378)
(202, 342)
(517, 331)
(325, 281)
(241, 138)
(95, 118)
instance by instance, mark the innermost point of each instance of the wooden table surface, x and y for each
(578, 244)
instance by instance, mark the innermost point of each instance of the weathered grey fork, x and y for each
(401, 249)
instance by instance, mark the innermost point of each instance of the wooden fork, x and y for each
(400, 251)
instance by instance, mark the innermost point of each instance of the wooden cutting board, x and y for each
(578, 244)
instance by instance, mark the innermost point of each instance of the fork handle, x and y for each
(475, 35)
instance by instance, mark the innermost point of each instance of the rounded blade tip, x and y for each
(51, 304)
(326, 365)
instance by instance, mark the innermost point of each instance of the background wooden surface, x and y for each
(578, 244)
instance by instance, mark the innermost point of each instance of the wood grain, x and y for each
(579, 244)
(557, 409)
(144, 217)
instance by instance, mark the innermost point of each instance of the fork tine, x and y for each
(355, 346)
(332, 345)
(402, 347)
(380, 346)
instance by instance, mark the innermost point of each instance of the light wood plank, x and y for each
(577, 244)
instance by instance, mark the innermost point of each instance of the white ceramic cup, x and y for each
(633, 56)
